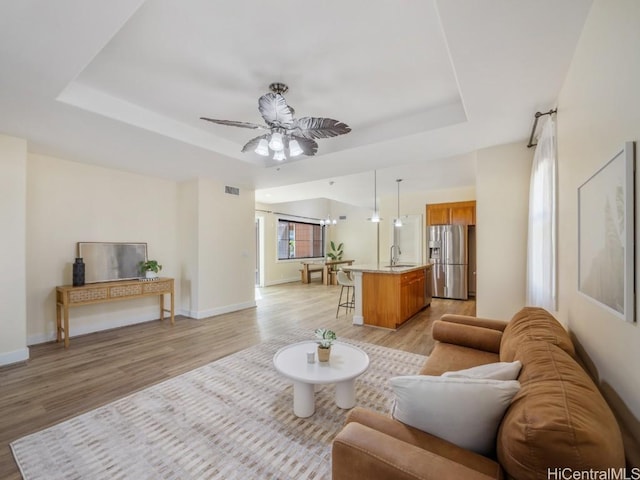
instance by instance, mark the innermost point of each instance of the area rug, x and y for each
(232, 418)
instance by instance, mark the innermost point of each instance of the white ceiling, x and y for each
(422, 84)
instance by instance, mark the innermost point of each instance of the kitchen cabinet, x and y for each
(463, 214)
(438, 214)
(390, 299)
(452, 213)
(411, 293)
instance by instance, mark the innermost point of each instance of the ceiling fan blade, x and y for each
(232, 123)
(253, 143)
(316, 127)
(309, 147)
(275, 111)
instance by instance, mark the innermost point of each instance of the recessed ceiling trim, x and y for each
(446, 115)
(96, 101)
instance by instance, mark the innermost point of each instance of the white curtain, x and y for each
(541, 251)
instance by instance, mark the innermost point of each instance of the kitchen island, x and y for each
(388, 296)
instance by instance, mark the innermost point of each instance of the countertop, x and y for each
(384, 268)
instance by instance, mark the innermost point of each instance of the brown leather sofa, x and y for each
(557, 420)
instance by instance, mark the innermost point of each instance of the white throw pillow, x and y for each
(464, 411)
(490, 371)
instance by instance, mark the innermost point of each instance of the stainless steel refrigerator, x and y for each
(449, 253)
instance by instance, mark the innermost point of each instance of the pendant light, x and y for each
(398, 222)
(375, 218)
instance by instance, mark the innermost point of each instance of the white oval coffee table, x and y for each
(344, 366)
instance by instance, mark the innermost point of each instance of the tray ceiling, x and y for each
(123, 83)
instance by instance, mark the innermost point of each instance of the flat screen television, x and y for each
(106, 262)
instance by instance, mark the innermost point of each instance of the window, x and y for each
(299, 240)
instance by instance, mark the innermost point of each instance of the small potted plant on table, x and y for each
(151, 268)
(325, 338)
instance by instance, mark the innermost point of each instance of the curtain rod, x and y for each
(535, 124)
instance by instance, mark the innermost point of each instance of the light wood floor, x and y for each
(56, 384)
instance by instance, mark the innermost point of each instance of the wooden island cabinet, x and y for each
(390, 296)
(412, 294)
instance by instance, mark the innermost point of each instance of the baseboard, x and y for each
(98, 327)
(212, 312)
(92, 328)
(41, 338)
(16, 356)
(281, 281)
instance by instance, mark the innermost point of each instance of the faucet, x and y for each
(393, 259)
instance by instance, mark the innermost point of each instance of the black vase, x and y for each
(78, 272)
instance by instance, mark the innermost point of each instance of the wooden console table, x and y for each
(68, 296)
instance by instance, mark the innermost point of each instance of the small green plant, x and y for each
(150, 266)
(325, 337)
(336, 252)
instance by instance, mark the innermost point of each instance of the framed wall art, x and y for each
(606, 235)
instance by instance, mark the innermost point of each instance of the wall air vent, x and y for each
(342, 217)
(231, 190)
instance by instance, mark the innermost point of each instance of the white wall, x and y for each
(13, 215)
(188, 241)
(355, 232)
(226, 249)
(202, 237)
(502, 188)
(69, 202)
(598, 110)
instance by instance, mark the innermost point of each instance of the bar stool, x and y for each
(345, 282)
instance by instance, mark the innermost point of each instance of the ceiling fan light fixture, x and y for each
(276, 144)
(263, 148)
(294, 148)
(279, 155)
(284, 132)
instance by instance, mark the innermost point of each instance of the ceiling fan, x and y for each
(286, 136)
